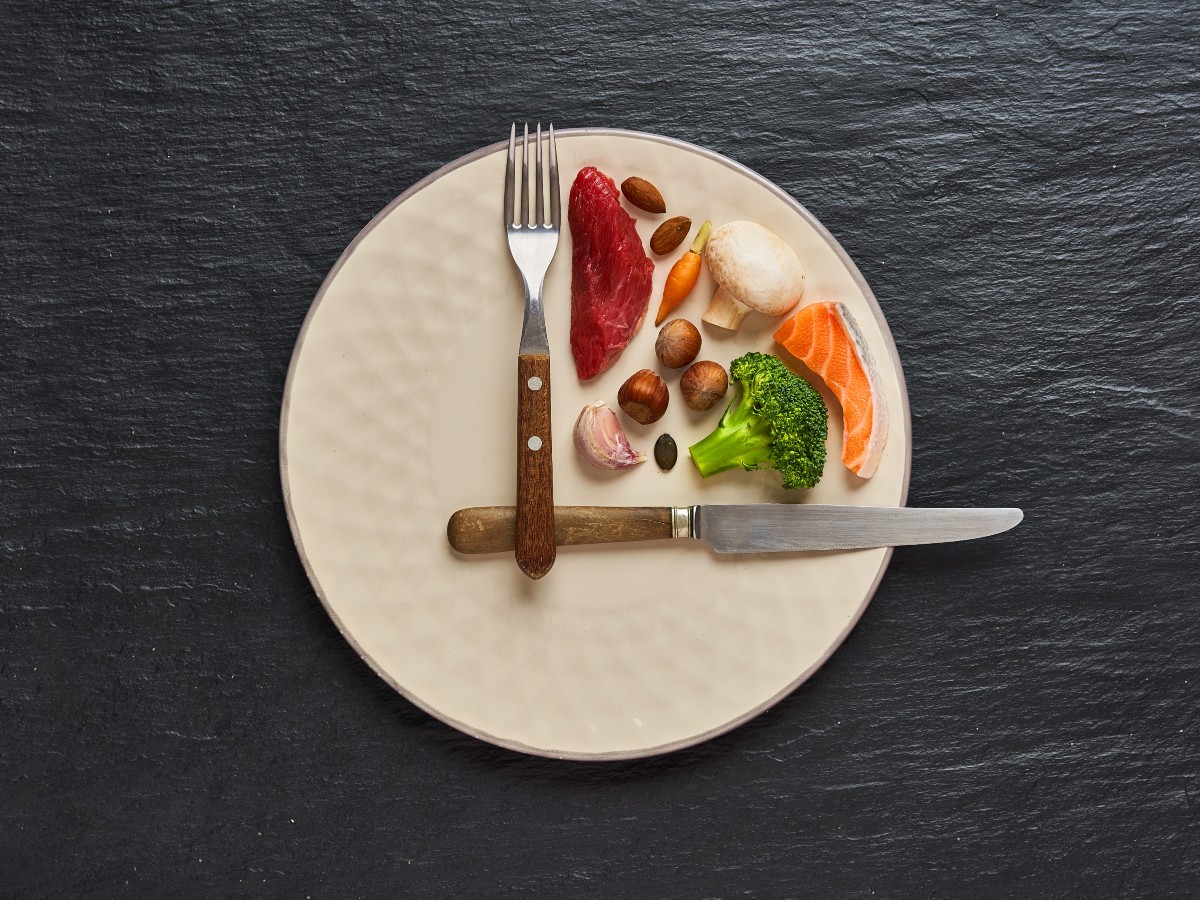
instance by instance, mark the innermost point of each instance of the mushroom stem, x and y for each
(725, 311)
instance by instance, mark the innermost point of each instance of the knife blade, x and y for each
(746, 528)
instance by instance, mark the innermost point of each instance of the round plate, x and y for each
(400, 407)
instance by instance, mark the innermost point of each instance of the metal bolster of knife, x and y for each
(683, 521)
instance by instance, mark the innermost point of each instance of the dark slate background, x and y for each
(1015, 717)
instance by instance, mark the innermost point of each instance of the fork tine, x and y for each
(509, 173)
(525, 178)
(539, 207)
(554, 214)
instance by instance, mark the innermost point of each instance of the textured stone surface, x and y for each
(1015, 717)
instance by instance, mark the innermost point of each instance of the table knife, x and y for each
(749, 528)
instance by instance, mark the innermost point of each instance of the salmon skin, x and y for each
(828, 340)
(611, 274)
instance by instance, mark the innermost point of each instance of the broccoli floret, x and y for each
(779, 422)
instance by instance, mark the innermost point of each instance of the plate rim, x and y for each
(507, 743)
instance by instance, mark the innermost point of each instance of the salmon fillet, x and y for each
(827, 339)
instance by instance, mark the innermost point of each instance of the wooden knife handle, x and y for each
(492, 529)
(534, 527)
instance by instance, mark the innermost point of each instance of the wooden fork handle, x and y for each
(535, 544)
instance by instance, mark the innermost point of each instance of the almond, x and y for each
(670, 234)
(643, 195)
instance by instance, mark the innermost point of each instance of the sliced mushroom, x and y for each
(756, 271)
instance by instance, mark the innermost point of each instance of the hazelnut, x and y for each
(644, 397)
(703, 385)
(678, 344)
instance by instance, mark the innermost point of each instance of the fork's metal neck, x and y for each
(533, 328)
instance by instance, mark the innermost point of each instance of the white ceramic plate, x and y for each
(400, 407)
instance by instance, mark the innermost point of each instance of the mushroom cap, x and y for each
(755, 265)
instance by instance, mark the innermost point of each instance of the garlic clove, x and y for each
(601, 441)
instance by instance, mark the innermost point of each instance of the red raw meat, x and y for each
(610, 274)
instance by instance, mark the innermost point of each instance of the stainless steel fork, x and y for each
(532, 243)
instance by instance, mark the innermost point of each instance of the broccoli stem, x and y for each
(742, 439)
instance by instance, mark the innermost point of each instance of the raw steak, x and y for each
(610, 274)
